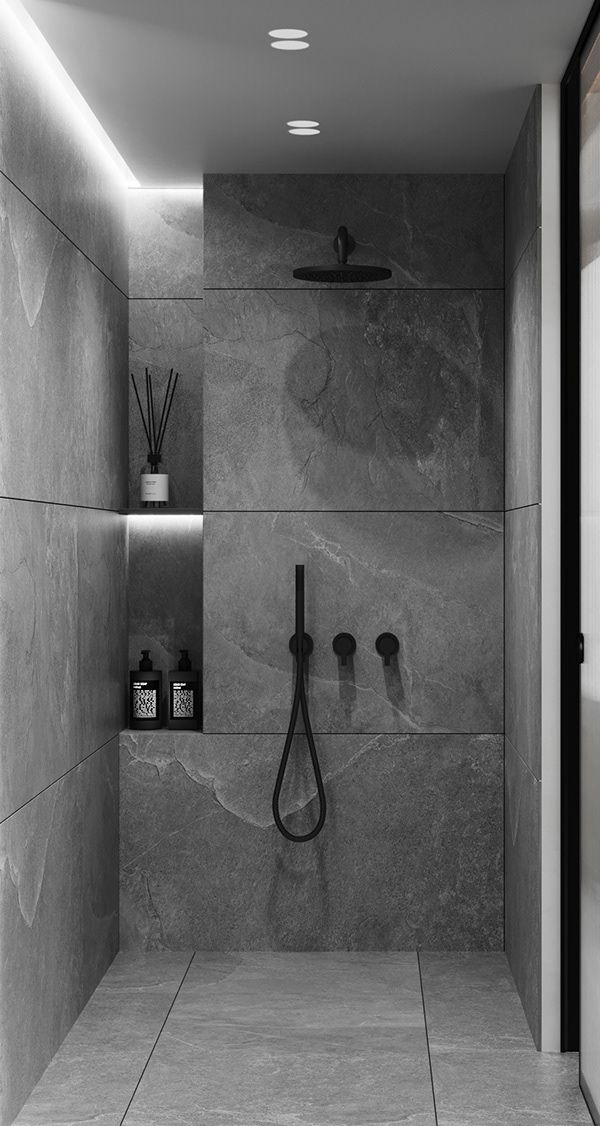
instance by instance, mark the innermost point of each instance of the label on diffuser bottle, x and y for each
(154, 487)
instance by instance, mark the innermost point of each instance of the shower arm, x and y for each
(302, 648)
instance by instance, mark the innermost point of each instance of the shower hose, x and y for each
(302, 647)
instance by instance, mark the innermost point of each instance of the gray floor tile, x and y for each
(292, 1040)
(498, 1088)
(94, 1073)
(486, 1070)
(471, 1001)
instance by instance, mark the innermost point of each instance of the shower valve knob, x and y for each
(344, 646)
(387, 645)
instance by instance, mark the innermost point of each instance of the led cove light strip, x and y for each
(40, 51)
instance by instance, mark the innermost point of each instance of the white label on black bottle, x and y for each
(144, 701)
(182, 701)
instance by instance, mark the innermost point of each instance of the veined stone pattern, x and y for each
(356, 430)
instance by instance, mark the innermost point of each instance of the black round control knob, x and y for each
(344, 646)
(387, 645)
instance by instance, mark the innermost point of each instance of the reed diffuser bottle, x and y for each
(154, 482)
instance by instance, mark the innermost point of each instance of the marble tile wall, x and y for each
(524, 513)
(430, 231)
(434, 579)
(46, 150)
(59, 910)
(411, 855)
(63, 474)
(358, 431)
(366, 400)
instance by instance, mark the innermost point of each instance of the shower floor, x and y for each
(274, 1039)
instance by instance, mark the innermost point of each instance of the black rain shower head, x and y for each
(343, 244)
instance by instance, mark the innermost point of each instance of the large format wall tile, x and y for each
(522, 185)
(523, 634)
(411, 852)
(523, 890)
(433, 579)
(165, 335)
(46, 150)
(58, 916)
(166, 234)
(429, 230)
(523, 380)
(62, 366)
(165, 589)
(353, 400)
(62, 647)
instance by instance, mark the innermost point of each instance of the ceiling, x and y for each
(184, 87)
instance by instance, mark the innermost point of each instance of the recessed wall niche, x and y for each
(165, 546)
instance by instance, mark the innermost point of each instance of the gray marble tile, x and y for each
(472, 1003)
(440, 231)
(47, 151)
(165, 589)
(62, 366)
(435, 580)
(63, 642)
(523, 634)
(354, 400)
(59, 916)
(165, 335)
(204, 867)
(507, 1089)
(94, 1073)
(523, 891)
(259, 1040)
(523, 380)
(166, 235)
(522, 196)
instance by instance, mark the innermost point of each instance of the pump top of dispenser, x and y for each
(146, 663)
(184, 661)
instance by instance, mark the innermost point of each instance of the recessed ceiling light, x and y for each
(290, 44)
(303, 124)
(288, 33)
(304, 132)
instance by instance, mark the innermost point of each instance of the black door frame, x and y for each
(570, 540)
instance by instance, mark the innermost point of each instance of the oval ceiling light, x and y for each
(304, 132)
(288, 33)
(303, 124)
(290, 44)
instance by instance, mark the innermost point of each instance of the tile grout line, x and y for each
(161, 1030)
(60, 777)
(427, 1039)
(64, 234)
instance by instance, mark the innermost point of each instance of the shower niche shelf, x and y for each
(161, 512)
(165, 587)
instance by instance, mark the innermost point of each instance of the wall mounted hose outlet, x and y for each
(344, 646)
(387, 645)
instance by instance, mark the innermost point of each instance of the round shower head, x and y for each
(344, 272)
(343, 244)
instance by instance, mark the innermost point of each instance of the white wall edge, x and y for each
(550, 571)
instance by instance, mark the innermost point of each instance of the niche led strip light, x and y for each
(40, 53)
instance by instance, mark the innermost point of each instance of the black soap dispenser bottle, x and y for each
(184, 703)
(145, 696)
